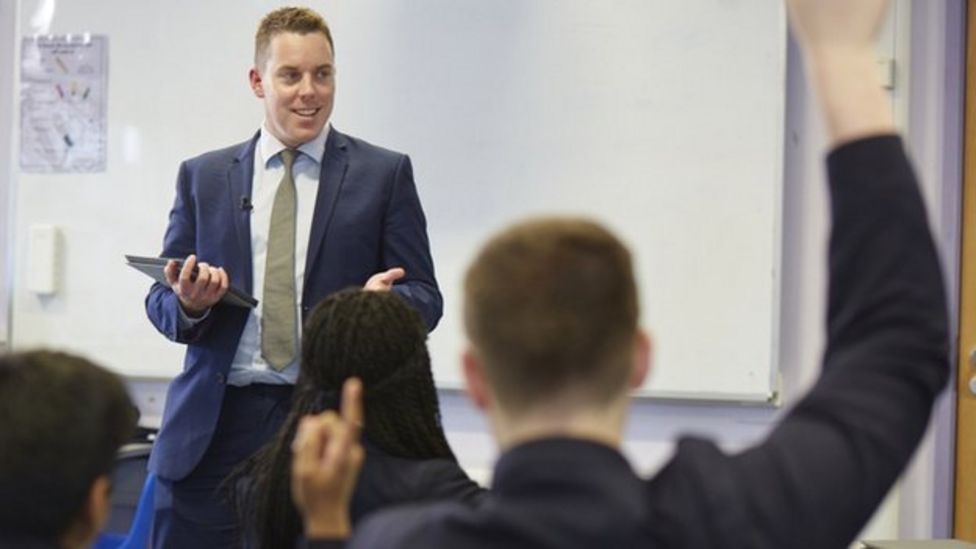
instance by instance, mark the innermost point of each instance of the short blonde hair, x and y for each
(289, 19)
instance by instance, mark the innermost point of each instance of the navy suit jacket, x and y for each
(367, 218)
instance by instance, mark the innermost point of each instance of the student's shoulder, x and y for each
(425, 479)
(414, 525)
(27, 542)
(701, 480)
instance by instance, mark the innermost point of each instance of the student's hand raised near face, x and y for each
(326, 461)
(200, 290)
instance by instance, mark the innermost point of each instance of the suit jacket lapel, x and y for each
(240, 178)
(331, 177)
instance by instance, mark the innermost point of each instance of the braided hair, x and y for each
(378, 338)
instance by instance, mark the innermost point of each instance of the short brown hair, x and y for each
(551, 305)
(289, 19)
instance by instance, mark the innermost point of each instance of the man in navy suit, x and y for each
(554, 345)
(352, 218)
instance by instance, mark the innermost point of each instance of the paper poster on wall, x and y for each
(63, 103)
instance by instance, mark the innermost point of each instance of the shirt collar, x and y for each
(269, 145)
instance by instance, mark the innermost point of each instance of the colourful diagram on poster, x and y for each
(63, 103)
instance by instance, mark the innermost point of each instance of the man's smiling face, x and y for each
(297, 84)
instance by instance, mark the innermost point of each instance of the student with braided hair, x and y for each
(378, 338)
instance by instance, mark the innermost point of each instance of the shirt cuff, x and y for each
(186, 321)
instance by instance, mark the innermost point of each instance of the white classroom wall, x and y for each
(935, 122)
(921, 506)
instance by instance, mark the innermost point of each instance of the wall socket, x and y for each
(44, 259)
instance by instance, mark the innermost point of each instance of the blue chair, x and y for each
(138, 536)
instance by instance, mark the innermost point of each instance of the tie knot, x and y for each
(288, 157)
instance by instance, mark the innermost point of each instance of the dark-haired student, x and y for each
(550, 310)
(62, 421)
(378, 338)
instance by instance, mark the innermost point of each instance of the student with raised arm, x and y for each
(550, 310)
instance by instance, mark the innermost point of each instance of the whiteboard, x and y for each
(663, 120)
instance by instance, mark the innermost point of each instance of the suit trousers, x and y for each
(194, 511)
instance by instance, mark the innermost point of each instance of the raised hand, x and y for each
(837, 23)
(838, 38)
(326, 461)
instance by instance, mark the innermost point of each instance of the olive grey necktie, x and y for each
(279, 334)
